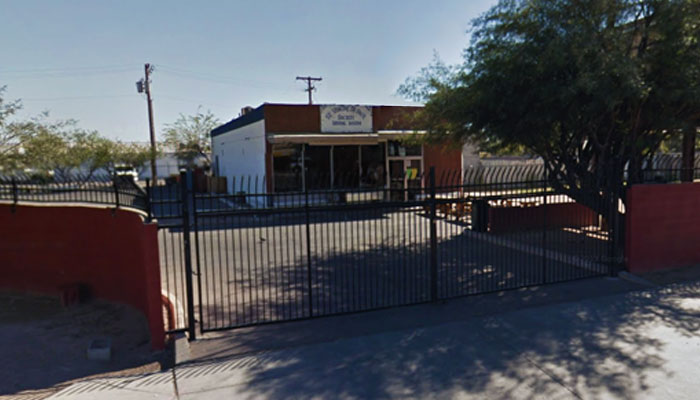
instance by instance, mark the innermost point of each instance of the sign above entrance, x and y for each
(345, 119)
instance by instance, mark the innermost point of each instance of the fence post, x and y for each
(196, 272)
(116, 190)
(433, 239)
(615, 224)
(188, 254)
(612, 231)
(15, 195)
(149, 211)
(545, 186)
(308, 249)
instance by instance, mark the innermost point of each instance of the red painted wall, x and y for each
(291, 118)
(394, 117)
(512, 219)
(663, 226)
(112, 252)
(447, 161)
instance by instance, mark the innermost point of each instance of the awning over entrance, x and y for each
(320, 139)
(398, 134)
(339, 139)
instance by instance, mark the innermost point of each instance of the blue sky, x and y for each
(81, 59)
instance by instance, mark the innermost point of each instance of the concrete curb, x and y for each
(635, 279)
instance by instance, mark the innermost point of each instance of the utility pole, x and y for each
(144, 85)
(309, 86)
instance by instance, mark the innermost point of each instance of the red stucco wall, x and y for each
(663, 226)
(394, 117)
(291, 118)
(447, 161)
(113, 252)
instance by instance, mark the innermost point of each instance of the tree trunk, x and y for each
(606, 199)
(688, 152)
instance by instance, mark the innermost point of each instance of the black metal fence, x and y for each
(109, 190)
(261, 257)
(251, 257)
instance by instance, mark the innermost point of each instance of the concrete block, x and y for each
(181, 348)
(100, 349)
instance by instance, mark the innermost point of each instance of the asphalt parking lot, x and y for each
(255, 268)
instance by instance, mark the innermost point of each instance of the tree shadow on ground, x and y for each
(597, 347)
(384, 271)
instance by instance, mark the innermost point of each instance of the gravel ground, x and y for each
(45, 345)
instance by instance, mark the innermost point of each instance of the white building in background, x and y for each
(167, 165)
(279, 148)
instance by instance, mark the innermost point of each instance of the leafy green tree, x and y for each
(189, 136)
(44, 147)
(592, 86)
(60, 147)
(130, 154)
(90, 152)
(10, 136)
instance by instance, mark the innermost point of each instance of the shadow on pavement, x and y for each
(599, 345)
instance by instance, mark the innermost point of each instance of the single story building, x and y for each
(293, 147)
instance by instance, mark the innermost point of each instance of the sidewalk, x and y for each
(623, 344)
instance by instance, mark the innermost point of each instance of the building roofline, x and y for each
(259, 114)
(238, 122)
(341, 104)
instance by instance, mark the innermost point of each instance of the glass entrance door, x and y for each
(414, 172)
(405, 178)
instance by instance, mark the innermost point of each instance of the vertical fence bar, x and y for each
(195, 222)
(614, 226)
(15, 195)
(308, 249)
(545, 185)
(149, 209)
(433, 239)
(116, 190)
(188, 254)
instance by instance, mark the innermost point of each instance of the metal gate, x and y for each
(170, 206)
(255, 258)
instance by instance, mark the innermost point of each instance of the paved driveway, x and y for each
(633, 345)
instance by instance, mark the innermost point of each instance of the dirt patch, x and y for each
(48, 343)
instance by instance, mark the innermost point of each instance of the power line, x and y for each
(75, 97)
(186, 100)
(58, 69)
(58, 73)
(220, 78)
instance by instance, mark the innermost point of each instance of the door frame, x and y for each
(406, 163)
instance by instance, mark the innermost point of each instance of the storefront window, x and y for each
(318, 167)
(373, 174)
(351, 166)
(346, 166)
(398, 149)
(286, 161)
